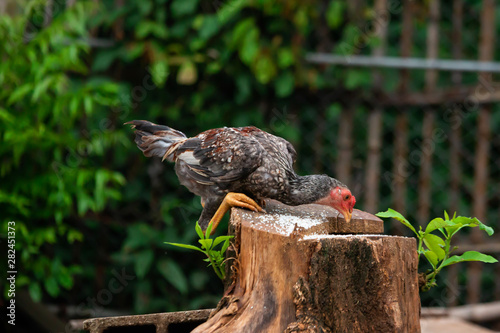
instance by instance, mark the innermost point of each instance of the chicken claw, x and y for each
(233, 200)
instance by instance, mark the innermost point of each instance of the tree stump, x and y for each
(304, 269)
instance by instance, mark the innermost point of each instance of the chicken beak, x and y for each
(347, 215)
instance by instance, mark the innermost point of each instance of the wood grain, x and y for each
(287, 279)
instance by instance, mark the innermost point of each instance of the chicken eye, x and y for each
(347, 197)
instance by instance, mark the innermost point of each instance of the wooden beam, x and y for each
(345, 146)
(455, 146)
(481, 165)
(461, 95)
(401, 148)
(431, 76)
(397, 62)
(372, 175)
(471, 312)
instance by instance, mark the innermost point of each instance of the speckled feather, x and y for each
(245, 159)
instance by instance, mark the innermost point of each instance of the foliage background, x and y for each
(87, 203)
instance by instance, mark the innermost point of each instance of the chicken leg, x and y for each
(233, 200)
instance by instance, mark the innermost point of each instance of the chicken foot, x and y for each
(233, 200)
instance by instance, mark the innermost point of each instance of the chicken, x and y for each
(238, 167)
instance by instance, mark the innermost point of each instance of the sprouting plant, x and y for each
(436, 249)
(216, 258)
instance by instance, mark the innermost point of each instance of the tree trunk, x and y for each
(290, 275)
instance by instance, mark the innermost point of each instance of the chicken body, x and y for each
(244, 160)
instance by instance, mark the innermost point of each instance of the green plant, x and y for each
(437, 250)
(52, 169)
(216, 258)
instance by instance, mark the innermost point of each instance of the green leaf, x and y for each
(470, 256)
(159, 72)
(284, 84)
(265, 69)
(35, 291)
(335, 14)
(104, 59)
(435, 244)
(74, 235)
(230, 9)
(183, 7)
(437, 223)
(220, 239)
(173, 274)
(208, 232)
(143, 261)
(6, 116)
(51, 286)
(199, 231)
(489, 230)
(206, 243)
(240, 31)
(432, 257)
(186, 246)
(209, 26)
(285, 57)
(249, 48)
(396, 215)
(88, 104)
(65, 279)
(226, 245)
(100, 181)
(356, 78)
(462, 221)
(19, 93)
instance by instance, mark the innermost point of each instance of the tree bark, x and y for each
(290, 275)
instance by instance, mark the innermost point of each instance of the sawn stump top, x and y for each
(311, 219)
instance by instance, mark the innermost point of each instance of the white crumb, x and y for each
(284, 224)
(307, 237)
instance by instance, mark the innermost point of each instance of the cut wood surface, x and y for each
(289, 279)
(316, 219)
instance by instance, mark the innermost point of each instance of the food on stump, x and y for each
(238, 167)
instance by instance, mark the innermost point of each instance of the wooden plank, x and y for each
(401, 148)
(431, 75)
(397, 62)
(455, 147)
(460, 94)
(118, 29)
(372, 175)
(160, 322)
(424, 183)
(480, 197)
(450, 324)
(345, 146)
(371, 193)
(492, 246)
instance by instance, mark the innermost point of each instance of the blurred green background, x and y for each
(86, 202)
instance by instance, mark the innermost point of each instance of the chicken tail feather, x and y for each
(156, 140)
